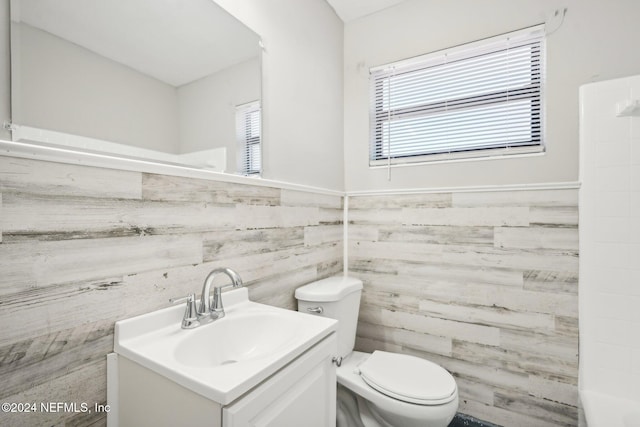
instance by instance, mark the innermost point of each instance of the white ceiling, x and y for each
(161, 38)
(349, 10)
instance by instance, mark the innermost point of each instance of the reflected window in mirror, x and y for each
(248, 120)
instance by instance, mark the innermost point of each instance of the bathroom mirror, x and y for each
(167, 81)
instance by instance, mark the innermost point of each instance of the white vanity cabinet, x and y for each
(302, 393)
(258, 365)
(146, 398)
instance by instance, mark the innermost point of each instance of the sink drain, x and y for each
(229, 362)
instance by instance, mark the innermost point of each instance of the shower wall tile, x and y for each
(635, 361)
(635, 144)
(83, 247)
(483, 283)
(610, 238)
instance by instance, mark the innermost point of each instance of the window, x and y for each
(476, 100)
(248, 118)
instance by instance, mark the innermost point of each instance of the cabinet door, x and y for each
(301, 394)
(148, 399)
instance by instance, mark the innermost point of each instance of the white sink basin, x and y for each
(242, 337)
(226, 358)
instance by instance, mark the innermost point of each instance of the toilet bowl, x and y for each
(437, 407)
(387, 389)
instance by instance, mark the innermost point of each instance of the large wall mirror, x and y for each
(169, 81)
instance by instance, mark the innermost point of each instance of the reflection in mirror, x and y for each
(169, 81)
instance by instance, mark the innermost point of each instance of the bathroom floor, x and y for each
(461, 420)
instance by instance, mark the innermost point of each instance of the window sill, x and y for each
(453, 158)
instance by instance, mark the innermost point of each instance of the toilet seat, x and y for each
(408, 378)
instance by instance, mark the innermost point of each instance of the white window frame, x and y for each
(249, 138)
(417, 149)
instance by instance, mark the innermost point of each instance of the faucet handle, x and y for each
(190, 319)
(182, 299)
(217, 309)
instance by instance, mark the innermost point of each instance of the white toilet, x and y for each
(392, 390)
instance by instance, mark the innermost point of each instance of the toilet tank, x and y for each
(338, 298)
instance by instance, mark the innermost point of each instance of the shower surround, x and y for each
(610, 244)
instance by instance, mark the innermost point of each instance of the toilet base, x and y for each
(353, 411)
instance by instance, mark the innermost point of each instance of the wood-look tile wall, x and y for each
(82, 247)
(484, 284)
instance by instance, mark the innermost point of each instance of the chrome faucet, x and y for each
(207, 311)
(215, 309)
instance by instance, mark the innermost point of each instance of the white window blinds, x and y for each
(475, 100)
(248, 119)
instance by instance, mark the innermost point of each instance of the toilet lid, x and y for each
(408, 378)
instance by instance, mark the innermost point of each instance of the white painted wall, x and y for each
(592, 44)
(58, 84)
(302, 88)
(610, 245)
(207, 108)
